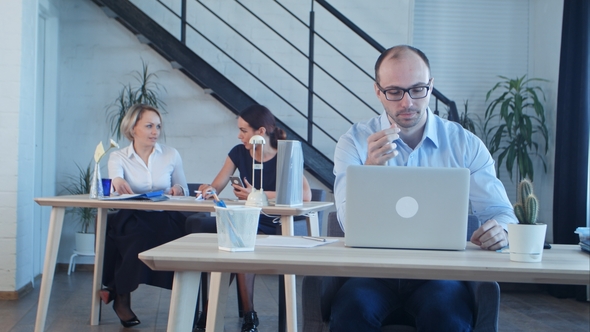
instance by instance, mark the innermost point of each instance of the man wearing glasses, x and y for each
(409, 134)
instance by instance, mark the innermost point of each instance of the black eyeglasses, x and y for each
(397, 94)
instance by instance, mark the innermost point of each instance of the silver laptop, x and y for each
(407, 207)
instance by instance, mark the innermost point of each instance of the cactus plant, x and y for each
(526, 208)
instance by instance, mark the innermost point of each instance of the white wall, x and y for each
(88, 40)
(97, 55)
(470, 43)
(19, 216)
(388, 22)
(26, 145)
(11, 34)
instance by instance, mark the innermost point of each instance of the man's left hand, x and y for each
(490, 236)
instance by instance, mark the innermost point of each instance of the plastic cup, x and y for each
(106, 187)
(237, 227)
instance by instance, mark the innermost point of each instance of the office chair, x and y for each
(318, 292)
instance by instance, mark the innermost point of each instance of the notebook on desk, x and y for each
(406, 207)
(154, 196)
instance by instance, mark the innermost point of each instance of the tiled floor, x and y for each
(69, 309)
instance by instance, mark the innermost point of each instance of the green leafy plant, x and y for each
(147, 92)
(513, 138)
(526, 208)
(78, 185)
(465, 119)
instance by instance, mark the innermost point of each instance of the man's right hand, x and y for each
(381, 147)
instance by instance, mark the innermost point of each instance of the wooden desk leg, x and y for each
(217, 299)
(183, 300)
(290, 285)
(101, 226)
(53, 237)
(313, 224)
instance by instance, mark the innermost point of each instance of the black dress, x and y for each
(130, 232)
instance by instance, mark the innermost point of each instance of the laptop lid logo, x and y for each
(406, 207)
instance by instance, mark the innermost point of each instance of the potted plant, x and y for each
(465, 119)
(527, 237)
(78, 185)
(514, 137)
(146, 93)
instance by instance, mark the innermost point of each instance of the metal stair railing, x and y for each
(323, 146)
(198, 70)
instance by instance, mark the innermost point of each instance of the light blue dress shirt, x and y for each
(444, 144)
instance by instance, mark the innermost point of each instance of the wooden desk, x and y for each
(196, 253)
(60, 203)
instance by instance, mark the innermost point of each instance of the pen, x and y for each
(321, 239)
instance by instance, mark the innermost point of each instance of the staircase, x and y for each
(317, 132)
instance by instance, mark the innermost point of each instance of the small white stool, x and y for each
(77, 253)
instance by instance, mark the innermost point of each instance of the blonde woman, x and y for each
(141, 167)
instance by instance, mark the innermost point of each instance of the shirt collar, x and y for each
(429, 129)
(131, 151)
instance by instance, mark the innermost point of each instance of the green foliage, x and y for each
(513, 137)
(146, 93)
(526, 208)
(80, 185)
(465, 120)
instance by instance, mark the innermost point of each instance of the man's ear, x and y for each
(377, 91)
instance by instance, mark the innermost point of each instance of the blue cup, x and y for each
(106, 187)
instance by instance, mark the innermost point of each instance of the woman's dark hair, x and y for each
(258, 116)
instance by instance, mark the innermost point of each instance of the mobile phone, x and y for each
(236, 180)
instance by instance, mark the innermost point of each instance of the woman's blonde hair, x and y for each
(133, 115)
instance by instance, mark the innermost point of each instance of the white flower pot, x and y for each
(526, 242)
(85, 243)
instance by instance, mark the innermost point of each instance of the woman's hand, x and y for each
(206, 190)
(242, 192)
(121, 186)
(176, 190)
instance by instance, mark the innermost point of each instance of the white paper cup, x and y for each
(237, 227)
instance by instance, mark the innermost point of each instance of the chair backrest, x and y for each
(192, 187)
(318, 195)
(333, 229)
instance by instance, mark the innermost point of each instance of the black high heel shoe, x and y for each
(125, 298)
(201, 324)
(129, 323)
(250, 323)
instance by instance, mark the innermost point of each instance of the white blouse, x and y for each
(164, 169)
